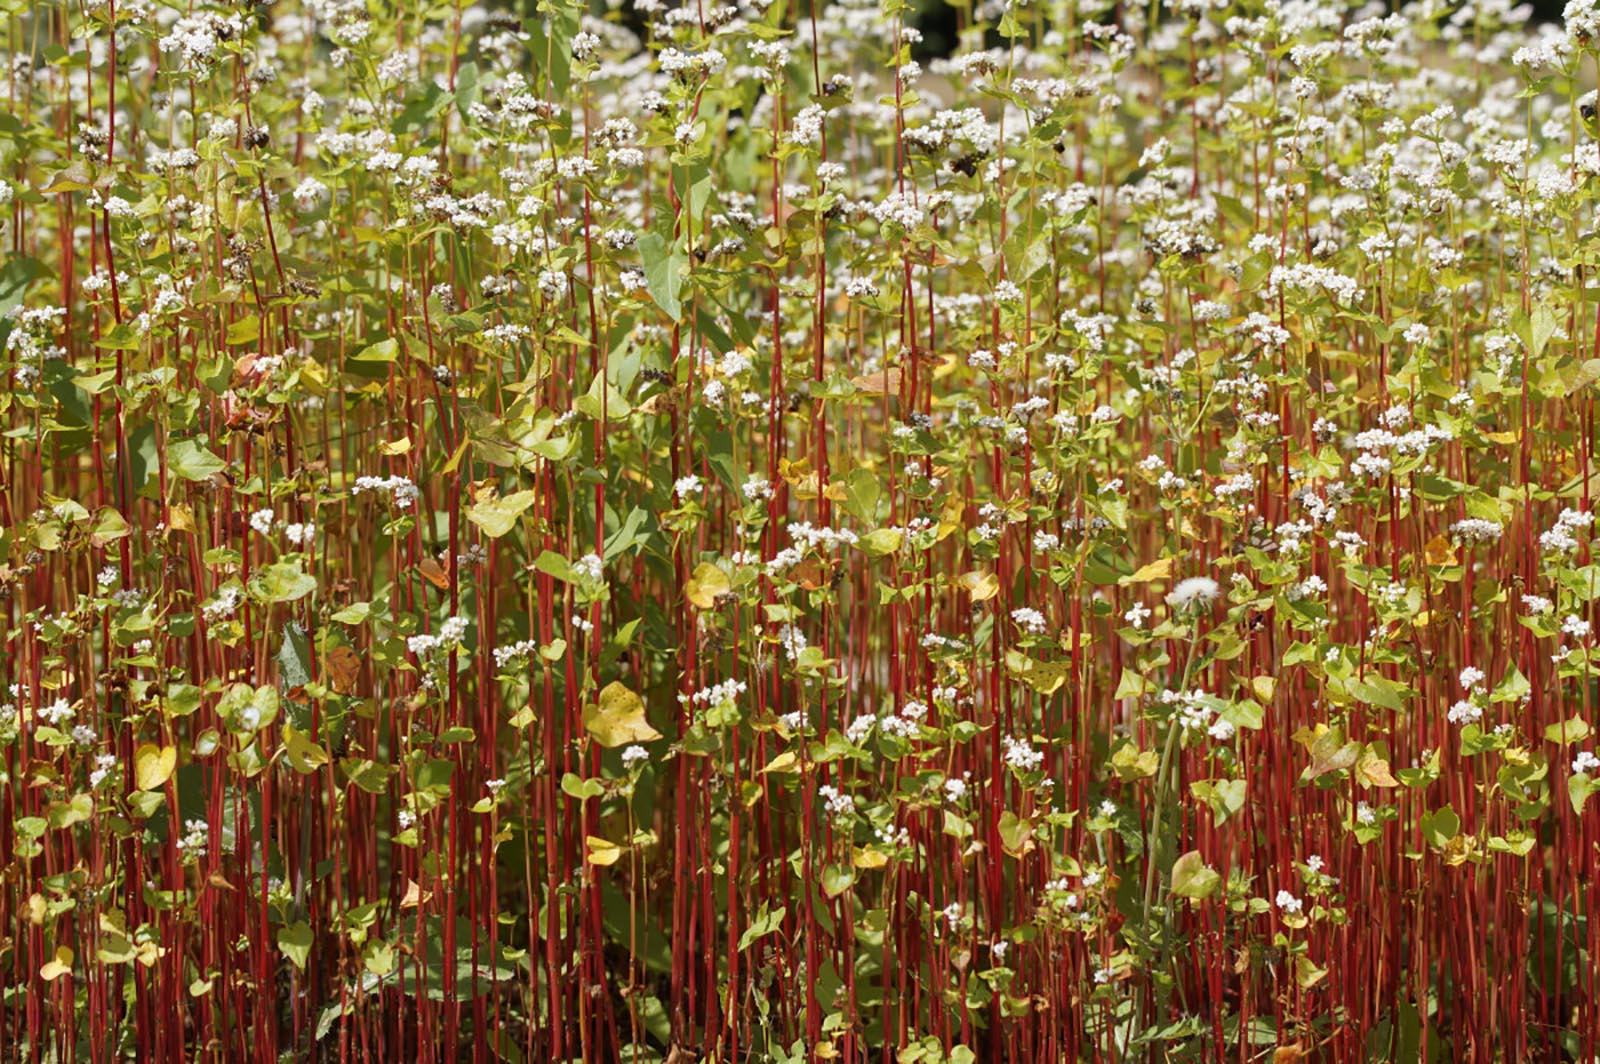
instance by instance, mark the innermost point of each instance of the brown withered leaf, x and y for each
(344, 669)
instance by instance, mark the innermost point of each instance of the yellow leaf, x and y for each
(980, 585)
(1156, 570)
(153, 765)
(1264, 687)
(784, 762)
(180, 518)
(400, 446)
(867, 858)
(602, 851)
(707, 583)
(1439, 551)
(618, 718)
(1501, 437)
(60, 965)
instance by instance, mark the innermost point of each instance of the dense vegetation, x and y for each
(707, 533)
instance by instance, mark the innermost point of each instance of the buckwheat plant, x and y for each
(740, 532)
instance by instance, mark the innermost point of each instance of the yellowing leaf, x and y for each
(153, 765)
(305, 755)
(618, 718)
(980, 585)
(1193, 878)
(1264, 687)
(882, 541)
(601, 851)
(706, 585)
(396, 447)
(1156, 570)
(56, 967)
(498, 516)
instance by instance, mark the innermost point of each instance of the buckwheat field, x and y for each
(1026, 531)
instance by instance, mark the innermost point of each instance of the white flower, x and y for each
(261, 521)
(1288, 902)
(1029, 620)
(1196, 592)
(1020, 756)
(310, 194)
(634, 755)
(592, 567)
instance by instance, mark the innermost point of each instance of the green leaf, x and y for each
(295, 941)
(575, 786)
(294, 658)
(1016, 834)
(15, 277)
(193, 462)
(466, 87)
(280, 582)
(1378, 690)
(836, 879)
(382, 351)
(765, 923)
(1513, 687)
(663, 273)
(1568, 732)
(1440, 826)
